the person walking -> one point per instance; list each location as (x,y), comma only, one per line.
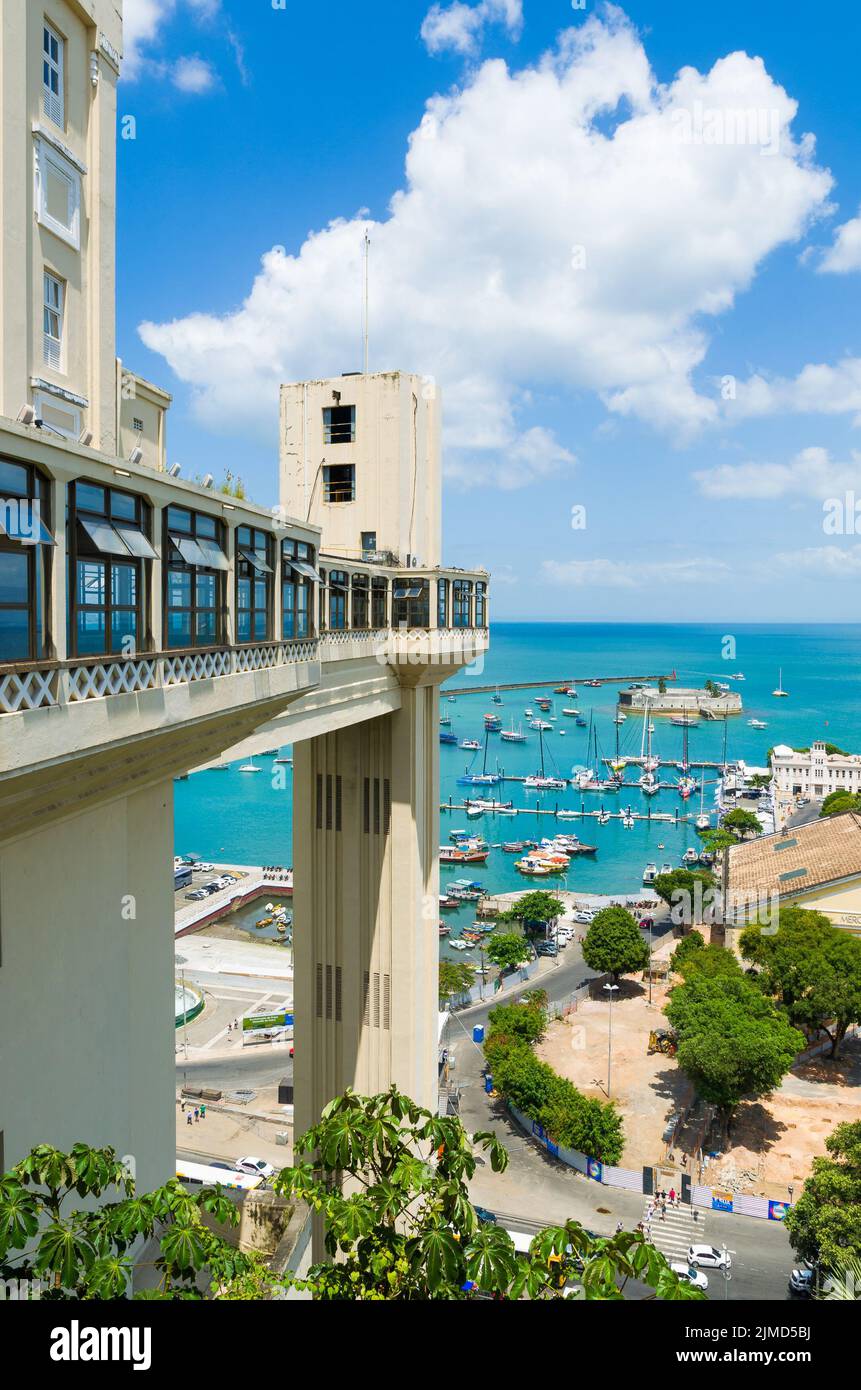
(203,1112)
(196,1114)
(188,1118)
(672,1196)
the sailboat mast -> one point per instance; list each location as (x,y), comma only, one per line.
(484,764)
(541,746)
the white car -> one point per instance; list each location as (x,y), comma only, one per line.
(709,1256)
(585,918)
(204,868)
(256,1167)
(689,1275)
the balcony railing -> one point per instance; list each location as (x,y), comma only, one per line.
(66,683)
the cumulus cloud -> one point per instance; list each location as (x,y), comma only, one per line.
(812,473)
(818,389)
(193,75)
(819,561)
(142,22)
(632,574)
(459,27)
(845,252)
(559,229)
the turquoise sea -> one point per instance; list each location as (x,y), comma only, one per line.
(234,816)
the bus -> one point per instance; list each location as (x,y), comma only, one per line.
(202,1175)
(182,876)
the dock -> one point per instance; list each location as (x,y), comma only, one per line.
(544,685)
(667,817)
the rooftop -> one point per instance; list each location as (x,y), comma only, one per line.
(825,851)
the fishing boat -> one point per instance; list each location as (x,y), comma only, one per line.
(571,713)
(250,767)
(513,847)
(533,868)
(458,944)
(650,873)
(444,929)
(513,735)
(543,701)
(780,693)
(454,854)
(448,902)
(561,690)
(757,724)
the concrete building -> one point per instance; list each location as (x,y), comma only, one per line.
(816,866)
(814,772)
(680,700)
(149,625)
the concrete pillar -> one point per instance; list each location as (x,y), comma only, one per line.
(366,886)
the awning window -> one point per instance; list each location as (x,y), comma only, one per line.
(307,571)
(253,559)
(213,556)
(337,584)
(116,540)
(408,593)
(11,526)
(190,550)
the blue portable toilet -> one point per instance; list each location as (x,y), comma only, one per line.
(478,1033)
(488,1083)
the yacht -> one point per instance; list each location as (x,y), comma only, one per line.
(545,784)
(690,856)
(250,767)
(513,735)
(650,873)
(737,676)
(471,744)
(571,713)
(780,693)
(757,723)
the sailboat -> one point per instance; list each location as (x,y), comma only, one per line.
(703,820)
(250,767)
(541,782)
(483,778)
(780,692)
(497,698)
(513,735)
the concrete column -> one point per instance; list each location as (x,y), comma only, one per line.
(366,885)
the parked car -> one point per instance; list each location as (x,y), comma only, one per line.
(256,1167)
(709,1256)
(196,894)
(546,948)
(216,1163)
(647,922)
(210,887)
(689,1275)
(204,868)
(801,1283)
(585,918)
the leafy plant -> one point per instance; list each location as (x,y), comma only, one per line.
(507,950)
(614,945)
(455,977)
(824,1226)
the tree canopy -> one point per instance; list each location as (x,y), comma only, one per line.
(539,906)
(614,944)
(812,968)
(507,950)
(838,802)
(734,1043)
(824,1226)
(455,977)
(741,823)
(687,947)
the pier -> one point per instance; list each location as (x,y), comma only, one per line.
(543,685)
(667,817)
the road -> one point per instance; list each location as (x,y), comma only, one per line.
(538,1190)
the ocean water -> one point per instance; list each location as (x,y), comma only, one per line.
(240,817)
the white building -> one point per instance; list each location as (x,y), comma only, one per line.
(815,773)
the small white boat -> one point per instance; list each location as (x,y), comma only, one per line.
(620,718)
(250,767)
(471,744)
(568,815)
(703,822)
(757,723)
(650,873)
(737,676)
(780,693)
(690,856)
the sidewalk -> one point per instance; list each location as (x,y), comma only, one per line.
(218,956)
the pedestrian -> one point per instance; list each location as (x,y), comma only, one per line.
(663,1212)
(203,1112)
(672,1196)
(618,1227)
(196,1114)
(188,1119)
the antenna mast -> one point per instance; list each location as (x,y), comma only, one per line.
(366,314)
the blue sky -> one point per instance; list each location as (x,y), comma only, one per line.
(710,265)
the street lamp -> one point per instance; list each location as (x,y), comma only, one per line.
(725,1271)
(611,990)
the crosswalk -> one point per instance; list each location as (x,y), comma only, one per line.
(676,1233)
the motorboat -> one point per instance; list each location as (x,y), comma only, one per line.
(757,723)
(471,745)
(690,856)
(545,784)
(650,873)
(571,713)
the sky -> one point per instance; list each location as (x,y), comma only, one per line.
(624,242)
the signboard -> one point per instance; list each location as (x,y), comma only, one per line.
(721,1201)
(777,1210)
(252,1022)
(594,1169)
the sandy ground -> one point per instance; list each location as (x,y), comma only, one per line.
(773,1142)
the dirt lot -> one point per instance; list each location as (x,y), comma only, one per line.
(773,1143)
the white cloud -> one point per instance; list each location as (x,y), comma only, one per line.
(819,562)
(193,75)
(632,574)
(845,254)
(812,473)
(818,389)
(460,27)
(142,22)
(473,277)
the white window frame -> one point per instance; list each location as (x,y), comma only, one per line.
(46,155)
(44,398)
(55,305)
(54,103)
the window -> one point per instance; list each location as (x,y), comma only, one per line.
(338,589)
(23,538)
(360,601)
(379,603)
(462,595)
(195,584)
(369,542)
(108,546)
(411,603)
(481,605)
(137,425)
(52,322)
(299,583)
(58,194)
(53,58)
(253,585)
(442,603)
(62,417)
(339,424)
(339,482)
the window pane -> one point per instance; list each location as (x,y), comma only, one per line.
(244,626)
(260,593)
(124,506)
(13,479)
(206,628)
(206,526)
(243,590)
(90,498)
(13,576)
(123,630)
(91,634)
(14,635)
(243,535)
(178,519)
(260,627)
(179,589)
(91,583)
(206,591)
(179,629)
(123,586)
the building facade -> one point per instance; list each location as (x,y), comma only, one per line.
(148,626)
(815,772)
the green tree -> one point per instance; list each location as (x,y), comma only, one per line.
(689,946)
(614,945)
(812,968)
(521,1020)
(734,1043)
(824,1226)
(716,841)
(507,950)
(455,977)
(86,1253)
(741,824)
(662,685)
(838,802)
(689,892)
(711,961)
(390,1181)
(534,910)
